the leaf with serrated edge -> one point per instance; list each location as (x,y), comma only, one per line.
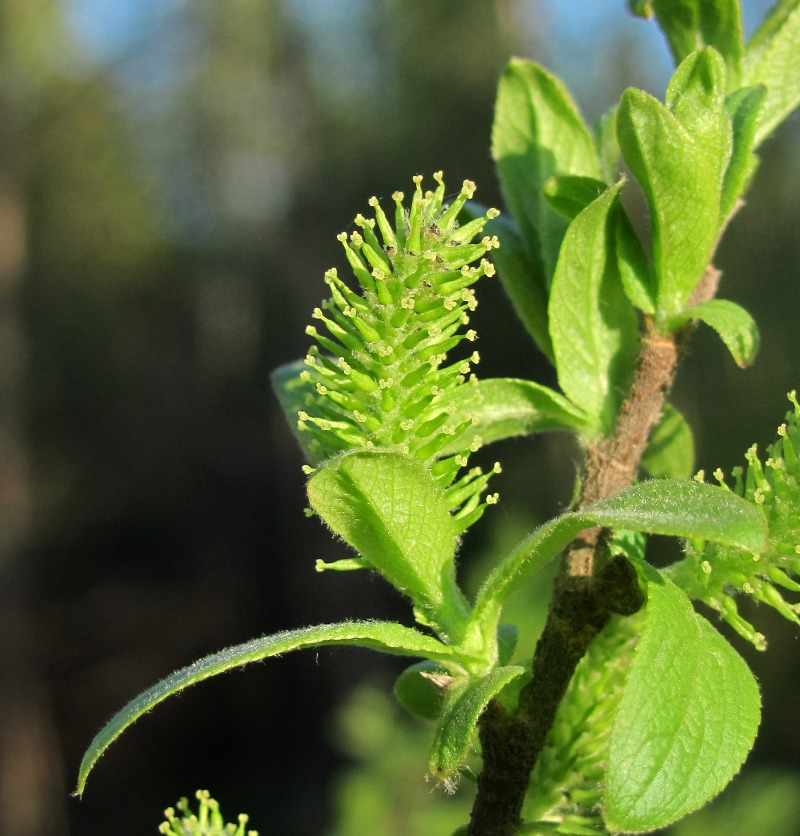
(384,636)
(677,508)
(771,59)
(733,323)
(463,705)
(686,721)
(593,326)
(670,450)
(389,508)
(506,407)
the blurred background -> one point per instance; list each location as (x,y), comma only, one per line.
(172,178)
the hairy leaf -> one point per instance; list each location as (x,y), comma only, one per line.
(670,450)
(733,323)
(687,719)
(685,509)
(388,507)
(385,636)
(592,324)
(508,407)
(771,59)
(463,704)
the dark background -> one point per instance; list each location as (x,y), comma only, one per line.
(172,179)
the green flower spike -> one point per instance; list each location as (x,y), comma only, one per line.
(714,574)
(207,821)
(379,375)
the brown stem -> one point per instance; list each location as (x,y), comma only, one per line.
(589,589)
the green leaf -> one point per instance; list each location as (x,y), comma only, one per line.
(689,24)
(538,133)
(687,719)
(385,636)
(420,689)
(670,451)
(523,280)
(593,326)
(571,194)
(463,704)
(634,269)
(389,508)
(771,59)
(743,107)
(682,192)
(684,509)
(696,97)
(293,394)
(605,135)
(732,322)
(507,407)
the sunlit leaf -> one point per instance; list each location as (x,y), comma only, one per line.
(734,325)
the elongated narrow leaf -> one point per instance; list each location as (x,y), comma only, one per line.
(389,508)
(538,133)
(681,189)
(593,326)
(670,451)
(605,135)
(733,323)
(387,637)
(293,394)
(463,705)
(506,407)
(570,194)
(685,509)
(687,719)
(689,24)
(743,106)
(771,59)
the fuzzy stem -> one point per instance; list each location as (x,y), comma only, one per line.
(589,590)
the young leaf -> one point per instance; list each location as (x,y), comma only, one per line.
(593,326)
(605,135)
(771,59)
(388,507)
(687,719)
(743,107)
(538,133)
(696,97)
(385,636)
(681,189)
(508,407)
(688,24)
(685,509)
(521,275)
(670,450)
(463,704)
(732,322)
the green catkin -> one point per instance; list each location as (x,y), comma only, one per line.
(715,574)
(208,820)
(382,381)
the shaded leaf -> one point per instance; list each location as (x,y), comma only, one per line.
(571,194)
(463,705)
(670,450)
(687,719)
(293,395)
(634,269)
(743,106)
